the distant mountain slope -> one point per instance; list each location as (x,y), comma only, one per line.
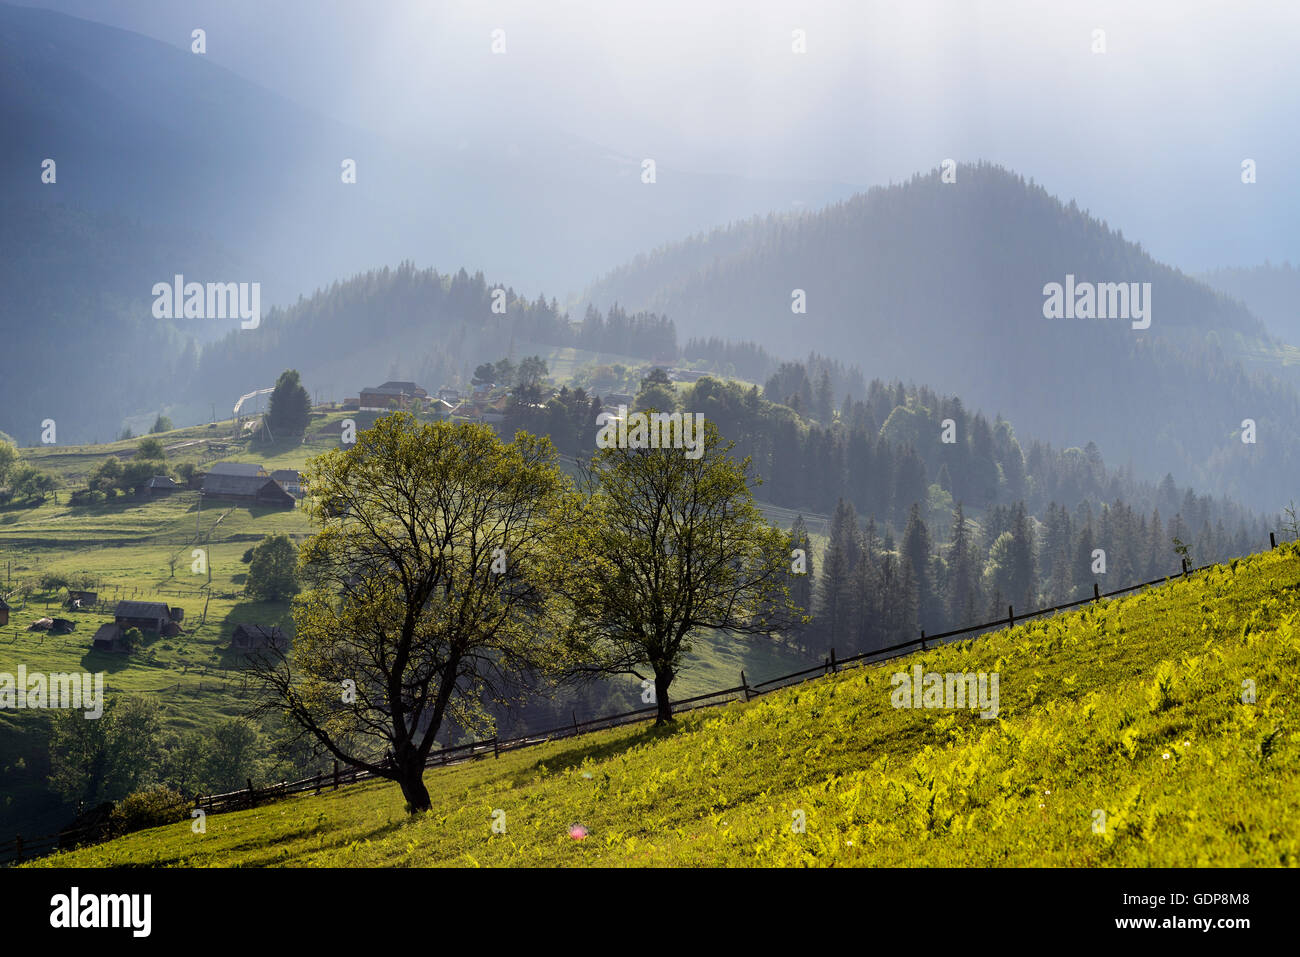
(943,283)
(170,136)
(1270,292)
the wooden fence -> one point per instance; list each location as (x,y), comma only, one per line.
(18,849)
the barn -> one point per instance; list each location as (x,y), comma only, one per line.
(257,637)
(109,638)
(81,600)
(253,489)
(146,615)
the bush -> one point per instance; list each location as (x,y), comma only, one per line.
(152,807)
(88,496)
(133,638)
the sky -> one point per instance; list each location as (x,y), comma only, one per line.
(1149,135)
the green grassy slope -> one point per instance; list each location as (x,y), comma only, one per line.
(1132,707)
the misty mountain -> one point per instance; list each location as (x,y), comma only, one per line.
(164,134)
(1268,291)
(944,283)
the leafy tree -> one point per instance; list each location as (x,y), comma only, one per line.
(273,569)
(290,408)
(150,449)
(671,546)
(161,424)
(485,374)
(31,484)
(8,459)
(108,758)
(432,591)
(106,477)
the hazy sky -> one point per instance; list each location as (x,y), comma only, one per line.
(1149,135)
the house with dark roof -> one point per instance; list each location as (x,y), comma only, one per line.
(392,395)
(146,615)
(81,600)
(256,638)
(252,489)
(290,480)
(109,638)
(236,468)
(160,485)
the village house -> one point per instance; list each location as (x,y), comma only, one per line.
(146,615)
(109,638)
(160,485)
(243,482)
(249,638)
(390,395)
(290,480)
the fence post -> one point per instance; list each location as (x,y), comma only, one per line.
(18,848)
(834,666)
(575,722)
(496,746)
(336,774)
(1272,540)
(252,795)
(1184,567)
(318,782)
(923,639)
(1096,592)
(1011,616)
(744,683)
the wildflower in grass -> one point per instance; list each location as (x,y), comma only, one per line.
(1165,756)
(577,832)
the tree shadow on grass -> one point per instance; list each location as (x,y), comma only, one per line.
(574,756)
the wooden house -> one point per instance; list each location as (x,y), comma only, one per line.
(248,638)
(4,613)
(146,615)
(109,638)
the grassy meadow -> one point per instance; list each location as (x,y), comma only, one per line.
(1153,730)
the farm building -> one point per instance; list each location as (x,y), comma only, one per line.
(256,637)
(109,638)
(245,469)
(62,626)
(80,600)
(146,615)
(254,489)
(160,485)
(290,480)
(4,613)
(399,395)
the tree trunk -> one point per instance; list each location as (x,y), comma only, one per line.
(411,779)
(662,680)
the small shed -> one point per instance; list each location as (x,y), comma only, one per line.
(160,485)
(145,615)
(4,613)
(109,638)
(81,600)
(63,626)
(257,637)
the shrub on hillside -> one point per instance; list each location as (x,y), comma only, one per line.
(151,807)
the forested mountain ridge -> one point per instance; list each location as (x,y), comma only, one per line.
(944,283)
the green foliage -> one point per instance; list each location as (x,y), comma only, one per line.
(161,424)
(1207,781)
(150,448)
(273,569)
(290,407)
(108,757)
(152,807)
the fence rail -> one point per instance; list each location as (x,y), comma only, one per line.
(18,849)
